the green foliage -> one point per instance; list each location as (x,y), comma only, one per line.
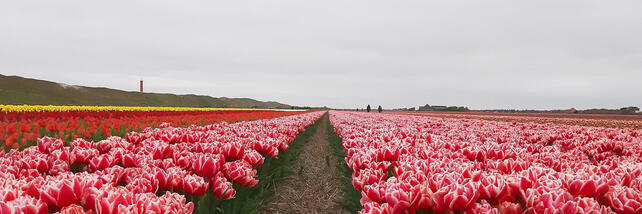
(456,108)
(301,169)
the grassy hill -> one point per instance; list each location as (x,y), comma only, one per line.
(19,90)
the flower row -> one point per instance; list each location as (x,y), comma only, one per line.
(404,164)
(143,172)
(52,108)
(598,120)
(20,129)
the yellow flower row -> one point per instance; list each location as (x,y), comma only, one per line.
(51,108)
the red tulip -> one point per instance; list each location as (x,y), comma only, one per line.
(398,200)
(24,204)
(457,197)
(253,158)
(546,200)
(266,149)
(112,202)
(58,167)
(113,174)
(424,197)
(636,184)
(587,187)
(175,177)
(63,154)
(222,188)
(375,208)
(82,155)
(160,151)
(367,177)
(104,146)
(510,208)
(625,200)
(170,137)
(134,137)
(472,154)
(162,177)
(195,185)
(233,151)
(483,207)
(167,203)
(101,162)
(373,193)
(129,160)
(207,165)
(240,172)
(390,154)
(492,187)
(8,194)
(38,163)
(58,194)
(591,206)
(472,174)
(74,209)
(184,159)
(47,144)
(142,185)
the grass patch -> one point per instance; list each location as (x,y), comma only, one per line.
(351,196)
(273,171)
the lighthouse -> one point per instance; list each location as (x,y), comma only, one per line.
(141,86)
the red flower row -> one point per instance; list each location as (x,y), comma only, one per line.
(403,163)
(20,129)
(599,120)
(119,175)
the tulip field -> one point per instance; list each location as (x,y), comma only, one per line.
(598,120)
(84,159)
(169,160)
(20,126)
(405,164)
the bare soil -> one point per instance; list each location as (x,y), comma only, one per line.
(314,186)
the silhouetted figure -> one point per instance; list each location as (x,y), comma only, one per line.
(379,109)
(357,109)
(368,108)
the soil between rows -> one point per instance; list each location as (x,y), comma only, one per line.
(314,186)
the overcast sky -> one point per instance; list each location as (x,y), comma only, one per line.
(544,54)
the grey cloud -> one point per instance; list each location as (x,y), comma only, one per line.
(482,54)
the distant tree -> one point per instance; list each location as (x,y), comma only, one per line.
(368,108)
(379,109)
(629,110)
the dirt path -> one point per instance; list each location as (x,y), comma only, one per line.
(314,185)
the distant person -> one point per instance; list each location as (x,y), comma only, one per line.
(379,109)
(368,108)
